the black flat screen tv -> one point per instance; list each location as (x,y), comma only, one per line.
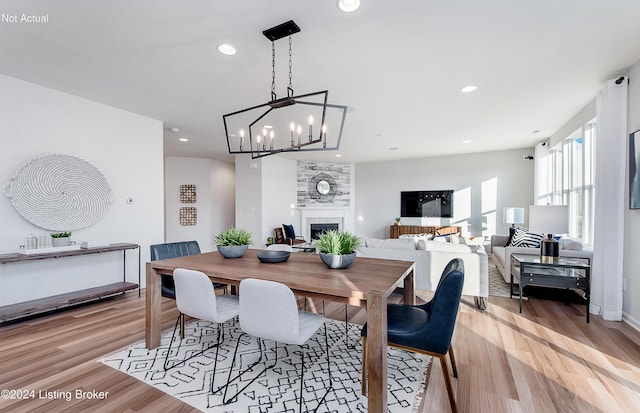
(435,204)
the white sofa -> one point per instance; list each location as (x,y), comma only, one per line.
(502,254)
(430,258)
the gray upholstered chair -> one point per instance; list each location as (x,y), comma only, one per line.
(269,311)
(196,297)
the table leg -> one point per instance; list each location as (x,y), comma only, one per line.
(377,352)
(520,291)
(410,288)
(153,310)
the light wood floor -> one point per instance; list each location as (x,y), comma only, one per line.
(547,359)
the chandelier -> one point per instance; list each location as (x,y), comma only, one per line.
(300,123)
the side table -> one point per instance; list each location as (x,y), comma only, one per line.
(569,273)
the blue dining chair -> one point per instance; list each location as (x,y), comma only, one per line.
(426,328)
(174,250)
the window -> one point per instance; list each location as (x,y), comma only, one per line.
(566,177)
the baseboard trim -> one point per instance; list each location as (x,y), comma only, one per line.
(633,322)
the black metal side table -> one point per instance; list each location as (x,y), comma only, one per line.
(569,273)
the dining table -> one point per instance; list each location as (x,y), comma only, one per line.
(367,283)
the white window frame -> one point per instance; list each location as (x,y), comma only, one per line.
(569,179)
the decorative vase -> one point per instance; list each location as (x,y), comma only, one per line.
(232,251)
(338,262)
(61,242)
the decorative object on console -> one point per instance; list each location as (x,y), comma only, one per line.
(233,242)
(337,249)
(549,219)
(276,126)
(61,239)
(398,221)
(59,192)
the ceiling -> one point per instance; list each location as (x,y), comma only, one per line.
(398,65)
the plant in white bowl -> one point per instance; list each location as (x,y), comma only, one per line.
(233,242)
(337,249)
(61,239)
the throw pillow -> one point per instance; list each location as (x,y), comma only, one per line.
(512,230)
(571,244)
(524,238)
(288,231)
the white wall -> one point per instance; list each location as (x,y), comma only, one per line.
(215,199)
(484,184)
(279,196)
(248,209)
(125,147)
(631,265)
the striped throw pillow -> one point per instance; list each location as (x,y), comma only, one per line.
(524,238)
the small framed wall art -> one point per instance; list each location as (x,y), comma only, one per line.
(188,194)
(188,216)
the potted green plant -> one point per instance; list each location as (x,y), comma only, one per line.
(337,249)
(61,239)
(233,242)
(398,221)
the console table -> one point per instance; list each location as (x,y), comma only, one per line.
(41,305)
(569,273)
(396,230)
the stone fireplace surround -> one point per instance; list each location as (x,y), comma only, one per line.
(310,216)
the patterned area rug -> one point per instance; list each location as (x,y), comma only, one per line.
(276,391)
(497,286)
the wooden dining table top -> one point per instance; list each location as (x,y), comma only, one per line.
(304,273)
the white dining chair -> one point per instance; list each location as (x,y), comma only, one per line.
(196,298)
(269,311)
(280,247)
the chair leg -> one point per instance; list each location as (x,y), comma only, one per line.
(181,316)
(179,321)
(326,342)
(230,380)
(453,362)
(447,382)
(364,366)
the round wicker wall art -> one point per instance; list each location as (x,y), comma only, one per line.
(59,192)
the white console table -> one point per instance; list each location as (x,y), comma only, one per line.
(42,305)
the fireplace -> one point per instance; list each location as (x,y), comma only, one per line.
(317,229)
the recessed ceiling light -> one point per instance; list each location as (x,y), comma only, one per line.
(338,156)
(466,141)
(174,130)
(395,148)
(348,6)
(183,140)
(227,49)
(268,126)
(468,89)
(535,132)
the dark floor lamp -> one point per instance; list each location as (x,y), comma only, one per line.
(549,219)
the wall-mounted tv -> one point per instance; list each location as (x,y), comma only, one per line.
(437,204)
